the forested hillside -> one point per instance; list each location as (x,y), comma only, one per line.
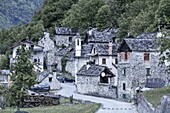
(13,12)
(130,16)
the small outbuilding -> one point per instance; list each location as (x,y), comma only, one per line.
(96,80)
(50,79)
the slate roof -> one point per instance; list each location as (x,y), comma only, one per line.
(41,76)
(65,31)
(62,51)
(86,49)
(25,40)
(94,70)
(142,44)
(101,48)
(148,35)
(102,37)
(154,83)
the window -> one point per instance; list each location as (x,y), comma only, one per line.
(77,41)
(148,72)
(103,79)
(50,79)
(146,57)
(94,51)
(35,60)
(126,56)
(116,61)
(124,96)
(94,61)
(103,61)
(54,42)
(124,86)
(124,71)
(70,39)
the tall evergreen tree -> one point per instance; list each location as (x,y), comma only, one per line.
(23,76)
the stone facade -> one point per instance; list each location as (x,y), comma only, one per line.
(52,81)
(63,40)
(47,42)
(92,86)
(136,68)
(93,79)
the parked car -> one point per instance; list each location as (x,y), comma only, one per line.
(40,87)
(63,79)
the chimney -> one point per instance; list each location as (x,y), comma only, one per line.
(110,48)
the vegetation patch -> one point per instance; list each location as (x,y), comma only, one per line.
(154,96)
(64,107)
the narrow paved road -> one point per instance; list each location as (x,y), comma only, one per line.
(108,105)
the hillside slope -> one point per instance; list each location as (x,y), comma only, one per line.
(13,12)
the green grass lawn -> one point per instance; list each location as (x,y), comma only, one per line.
(154,96)
(79,108)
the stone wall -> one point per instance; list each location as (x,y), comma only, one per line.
(145,107)
(47,43)
(54,84)
(63,40)
(70,67)
(90,85)
(135,72)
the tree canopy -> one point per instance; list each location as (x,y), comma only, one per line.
(23,77)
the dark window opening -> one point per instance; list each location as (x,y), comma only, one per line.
(116,61)
(70,39)
(35,60)
(94,61)
(146,56)
(50,79)
(32,46)
(124,71)
(104,79)
(124,96)
(77,42)
(103,61)
(94,51)
(126,56)
(148,72)
(124,86)
(54,42)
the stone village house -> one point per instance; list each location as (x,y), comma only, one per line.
(57,47)
(138,64)
(37,54)
(99,48)
(96,80)
(50,79)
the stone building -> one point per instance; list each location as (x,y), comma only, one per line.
(138,61)
(96,80)
(64,36)
(37,53)
(98,47)
(47,42)
(50,79)
(61,59)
